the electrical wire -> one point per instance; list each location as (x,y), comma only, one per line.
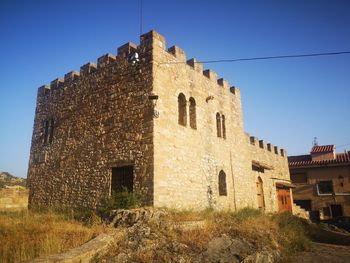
(343,145)
(266,58)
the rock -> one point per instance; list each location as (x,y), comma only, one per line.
(128,218)
(121,258)
(225,249)
(263,257)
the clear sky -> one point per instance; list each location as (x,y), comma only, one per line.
(286,102)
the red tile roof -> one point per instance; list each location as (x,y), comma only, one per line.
(322,149)
(306,160)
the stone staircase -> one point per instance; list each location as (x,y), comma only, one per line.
(300,212)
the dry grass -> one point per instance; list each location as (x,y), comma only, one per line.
(197,238)
(26,235)
(171,242)
(13,198)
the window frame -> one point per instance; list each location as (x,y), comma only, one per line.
(193,113)
(321,192)
(182,111)
(222,183)
(218,125)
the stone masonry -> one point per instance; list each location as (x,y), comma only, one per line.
(125,112)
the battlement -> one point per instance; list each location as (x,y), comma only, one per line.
(178,53)
(267,147)
(197,66)
(156,40)
(152,39)
(148,41)
(71,76)
(126,49)
(224,83)
(56,84)
(105,60)
(88,68)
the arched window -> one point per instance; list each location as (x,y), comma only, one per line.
(218,124)
(223,126)
(260,193)
(222,183)
(193,123)
(182,109)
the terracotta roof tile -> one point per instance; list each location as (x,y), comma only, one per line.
(322,149)
(306,160)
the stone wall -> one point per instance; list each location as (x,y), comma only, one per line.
(102,118)
(276,168)
(187,160)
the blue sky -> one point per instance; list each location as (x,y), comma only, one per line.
(287,102)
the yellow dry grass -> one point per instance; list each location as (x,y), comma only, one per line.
(26,235)
(14,198)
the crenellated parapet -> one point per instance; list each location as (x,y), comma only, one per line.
(105,60)
(56,84)
(197,66)
(43,90)
(87,69)
(71,76)
(224,83)
(178,53)
(155,40)
(148,41)
(265,147)
(126,49)
(210,74)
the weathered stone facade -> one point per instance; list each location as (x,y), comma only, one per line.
(125,112)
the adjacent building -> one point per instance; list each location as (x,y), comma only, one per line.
(322,180)
(149,120)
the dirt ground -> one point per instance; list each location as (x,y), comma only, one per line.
(321,252)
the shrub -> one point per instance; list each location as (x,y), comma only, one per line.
(119,200)
(247,212)
(294,232)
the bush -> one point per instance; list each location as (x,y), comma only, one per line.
(247,212)
(295,237)
(119,200)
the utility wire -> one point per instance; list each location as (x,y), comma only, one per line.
(266,58)
(141,16)
(343,145)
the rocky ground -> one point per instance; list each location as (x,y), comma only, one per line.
(154,236)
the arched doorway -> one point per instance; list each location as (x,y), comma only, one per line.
(260,193)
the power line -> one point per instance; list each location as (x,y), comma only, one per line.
(343,145)
(141,18)
(267,58)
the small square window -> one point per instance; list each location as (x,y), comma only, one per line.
(325,187)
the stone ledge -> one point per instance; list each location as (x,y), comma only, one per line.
(85,253)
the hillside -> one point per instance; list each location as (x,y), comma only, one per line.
(7,179)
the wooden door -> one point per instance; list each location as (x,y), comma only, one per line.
(284,200)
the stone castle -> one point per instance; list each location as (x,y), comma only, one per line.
(149,121)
